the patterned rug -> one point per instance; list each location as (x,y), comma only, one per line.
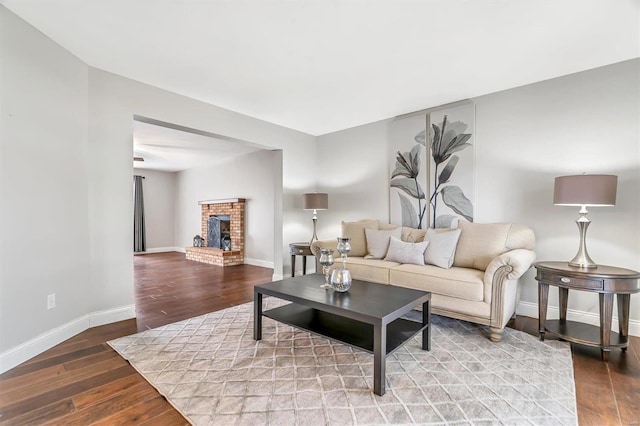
(212,371)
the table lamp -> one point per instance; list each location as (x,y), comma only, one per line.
(315,202)
(584,190)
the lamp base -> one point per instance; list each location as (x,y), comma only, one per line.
(314,237)
(582,259)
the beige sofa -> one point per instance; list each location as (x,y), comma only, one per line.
(481,285)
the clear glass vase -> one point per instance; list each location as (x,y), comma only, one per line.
(341,279)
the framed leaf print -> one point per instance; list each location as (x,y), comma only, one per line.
(451,164)
(432,177)
(408,177)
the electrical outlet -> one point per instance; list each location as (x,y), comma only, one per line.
(51,301)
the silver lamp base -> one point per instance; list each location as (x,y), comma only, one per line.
(582,259)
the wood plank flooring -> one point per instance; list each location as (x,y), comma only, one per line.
(83,381)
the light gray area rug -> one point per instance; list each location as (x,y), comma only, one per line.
(213,372)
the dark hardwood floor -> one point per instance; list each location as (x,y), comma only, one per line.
(83,381)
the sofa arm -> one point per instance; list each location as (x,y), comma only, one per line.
(328,244)
(500,289)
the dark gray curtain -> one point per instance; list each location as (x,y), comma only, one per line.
(139,239)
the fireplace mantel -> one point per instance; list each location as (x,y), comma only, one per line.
(222,201)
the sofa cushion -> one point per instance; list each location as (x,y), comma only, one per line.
(378,241)
(373,270)
(355,231)
(480,243)
(400,251)
(412,235)
(442,247)
(463,283)
(520,237)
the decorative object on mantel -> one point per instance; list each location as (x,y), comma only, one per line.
(197,241)
(315,201)
(341,277)
(584,190)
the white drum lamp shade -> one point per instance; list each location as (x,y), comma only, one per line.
(583,191)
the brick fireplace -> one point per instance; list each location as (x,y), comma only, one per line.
(228,216)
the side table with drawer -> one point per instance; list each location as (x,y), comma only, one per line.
(299,249)
(607,281)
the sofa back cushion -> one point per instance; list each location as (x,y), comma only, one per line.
(520,237)
(355,231)
(480,243)
(412,235)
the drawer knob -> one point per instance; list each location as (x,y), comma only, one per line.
(565,280)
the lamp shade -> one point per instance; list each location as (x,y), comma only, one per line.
(585,190)
(315,201)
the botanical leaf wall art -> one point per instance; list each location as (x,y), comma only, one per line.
(432,183)
(451,180)
(408,153)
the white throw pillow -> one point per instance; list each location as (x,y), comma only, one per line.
(442,247)
(378,241)
(402,252)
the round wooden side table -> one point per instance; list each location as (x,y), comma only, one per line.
(607,281)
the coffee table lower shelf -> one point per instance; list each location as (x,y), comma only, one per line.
(346,330)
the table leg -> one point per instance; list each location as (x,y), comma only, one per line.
(426,321)
(543,300)
(606,313)
(304,265)
(257,316)
(563,298)
(624,300)
(379,357)
(293,265)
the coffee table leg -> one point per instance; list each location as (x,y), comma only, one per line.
(379,357)
(426,321)
(257,316)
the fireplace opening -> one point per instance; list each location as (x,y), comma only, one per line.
(219,232)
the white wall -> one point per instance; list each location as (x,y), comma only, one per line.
(353,170)
(66,186)
(159,192)
(44,229)
(250,176)
(584,122)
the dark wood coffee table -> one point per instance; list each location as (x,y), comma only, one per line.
(365,317)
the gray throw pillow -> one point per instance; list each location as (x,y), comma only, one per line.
(402,252)
(378,241)
(442,247)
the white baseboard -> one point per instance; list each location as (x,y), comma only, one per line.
(276,277)
(112,315)
(27,350)
(162,250)
(258,262)
(529,309)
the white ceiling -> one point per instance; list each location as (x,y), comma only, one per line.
(324,65)
(173,150)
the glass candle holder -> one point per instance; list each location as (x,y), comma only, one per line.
(326,260)
(341,280)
